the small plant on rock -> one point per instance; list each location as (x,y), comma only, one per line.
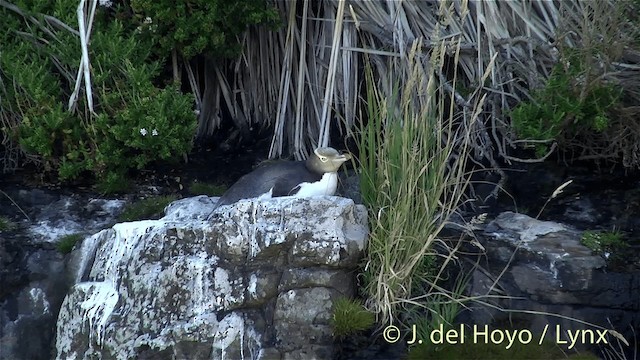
(201,188)
(349,317)
(146,208)
(603,241)
(67,242)
(6,224)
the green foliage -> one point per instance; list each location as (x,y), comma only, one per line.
(482,351)
(114,182)
(564,108)
(441,311)
(135,121)
(603,241)
(146,208)
(200,26)
(66,243)
(200,188)
(6,224)
(349,317)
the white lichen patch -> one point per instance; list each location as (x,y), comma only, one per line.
(127,236)
(99,301)
(325,252)
(229,330)
(232,328)
(253,286)
(39,299)
(47,231)
(88,251)
(223,286)
(194,208)
(60,219)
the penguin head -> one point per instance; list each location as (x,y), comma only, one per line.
(326,159)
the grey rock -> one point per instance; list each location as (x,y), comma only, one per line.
(34,275)
(257,281)
(541,266)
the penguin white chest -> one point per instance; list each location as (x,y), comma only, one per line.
(325,186)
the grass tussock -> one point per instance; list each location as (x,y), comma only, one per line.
(66,243)
(146,208)
(350,316)
(412,152)
(6,224)
(203,188)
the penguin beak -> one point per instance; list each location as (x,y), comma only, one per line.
(345,157)
(338,160)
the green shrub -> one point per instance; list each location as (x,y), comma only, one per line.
(563,108)
(135,121)
(349,317)
(200,26)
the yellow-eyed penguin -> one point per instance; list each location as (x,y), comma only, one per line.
(318,175)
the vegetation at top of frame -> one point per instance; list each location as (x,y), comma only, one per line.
(563,109)
(135,120)
(349,317)
(139,117)
(201,26)
(151,207)
(588,106)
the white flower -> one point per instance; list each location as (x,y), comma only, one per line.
(106,3)
(143,131)
(154,132)
(148,20)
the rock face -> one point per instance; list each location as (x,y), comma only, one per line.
(32,286)
(33,276)
(257,281)
(543,267)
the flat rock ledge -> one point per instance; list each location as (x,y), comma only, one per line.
(256,281)
(542,268)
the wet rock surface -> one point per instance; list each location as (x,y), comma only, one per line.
(33,273)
